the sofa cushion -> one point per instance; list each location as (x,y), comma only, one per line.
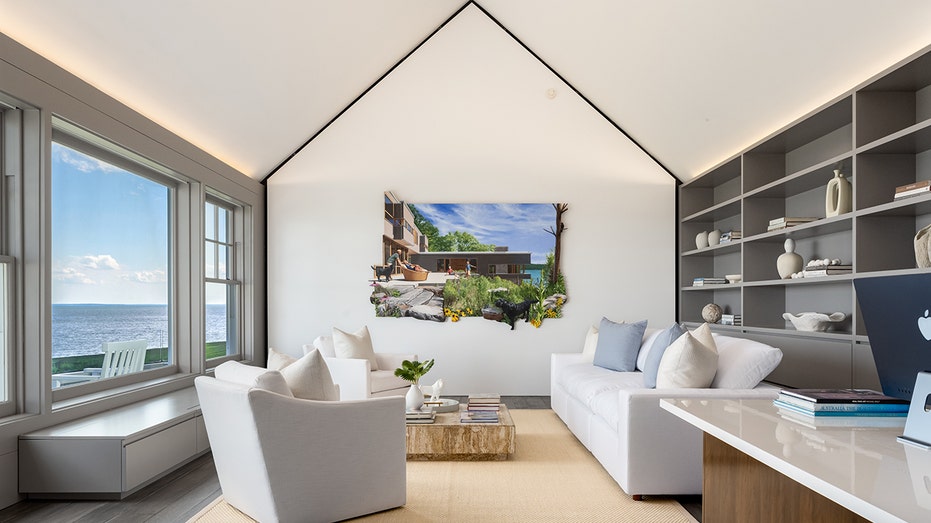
(584,381)
(236,372)
(278,360)
(591,341)
(309,378)
(357,345)
(325,345)
(649,338)
(618,345)
(689,362)
(743,363)
(662,341)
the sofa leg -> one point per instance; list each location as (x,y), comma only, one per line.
(637,497)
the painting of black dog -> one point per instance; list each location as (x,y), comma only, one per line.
(513,311)
(383,270)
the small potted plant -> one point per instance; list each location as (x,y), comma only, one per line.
(412,371)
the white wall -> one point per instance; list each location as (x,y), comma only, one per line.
(466,119)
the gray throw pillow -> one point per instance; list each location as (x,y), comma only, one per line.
(662,341)
(618,345)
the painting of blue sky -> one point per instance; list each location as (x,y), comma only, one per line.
(518,226)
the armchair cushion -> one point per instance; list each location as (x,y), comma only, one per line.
(278,360)
(325,345)
(236,372)
(356,345)
(309,378)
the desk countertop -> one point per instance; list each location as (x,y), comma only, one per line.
(862,468)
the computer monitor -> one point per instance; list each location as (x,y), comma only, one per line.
(897,314)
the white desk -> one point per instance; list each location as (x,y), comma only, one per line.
(863,470)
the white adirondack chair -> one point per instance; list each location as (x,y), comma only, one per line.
(123,357)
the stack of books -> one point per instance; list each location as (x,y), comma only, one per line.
(818,403)
(425,415)
(912,189)
(482,408)
(816,269)
(731,236)
(731,319)
(786,221)
(702,280)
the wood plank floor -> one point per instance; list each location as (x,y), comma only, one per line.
(184,492)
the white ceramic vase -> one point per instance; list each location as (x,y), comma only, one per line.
(701,240)
(788,262)
(838,199)
(414,397)
(714,237)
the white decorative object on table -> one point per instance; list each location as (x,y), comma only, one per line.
(814,321)
(435,390)
(788,262)
(414,398)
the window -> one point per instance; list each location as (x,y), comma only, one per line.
(9,131)
(110,223)
(222,287)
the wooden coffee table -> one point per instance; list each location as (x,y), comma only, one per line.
(446,439)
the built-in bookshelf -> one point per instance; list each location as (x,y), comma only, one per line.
(879,136)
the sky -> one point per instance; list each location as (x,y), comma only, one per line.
(109,233)
(519,227)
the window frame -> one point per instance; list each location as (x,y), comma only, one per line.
(86,142)
(234,272)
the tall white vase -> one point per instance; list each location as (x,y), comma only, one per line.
(839,198)
(414,397)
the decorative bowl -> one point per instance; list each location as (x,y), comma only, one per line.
(733,278)
(814,321)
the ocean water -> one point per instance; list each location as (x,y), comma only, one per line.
(80,329)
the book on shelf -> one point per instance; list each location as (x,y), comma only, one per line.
(912,189)
(838,413)
(795,220)
(841,396)
(825,271)
(817,422)
(841,407)
(700,281)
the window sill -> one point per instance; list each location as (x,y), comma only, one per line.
(129,393)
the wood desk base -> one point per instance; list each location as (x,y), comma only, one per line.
(737,488)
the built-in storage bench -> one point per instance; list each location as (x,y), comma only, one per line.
(114,453)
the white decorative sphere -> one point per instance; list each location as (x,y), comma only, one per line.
(711,313)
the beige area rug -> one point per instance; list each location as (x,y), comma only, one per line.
(551,478)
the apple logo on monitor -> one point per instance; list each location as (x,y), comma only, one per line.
(924,325)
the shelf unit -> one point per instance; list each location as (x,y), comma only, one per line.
(879,136)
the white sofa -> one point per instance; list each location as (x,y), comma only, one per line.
(647,450)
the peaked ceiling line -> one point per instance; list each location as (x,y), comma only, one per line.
(427,39)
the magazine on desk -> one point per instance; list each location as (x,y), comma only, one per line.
(826,422)
(850,396)
(839,413)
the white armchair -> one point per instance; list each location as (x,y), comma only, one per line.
(355,377)
(281,458)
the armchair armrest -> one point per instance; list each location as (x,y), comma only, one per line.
(391,361)
(352,377)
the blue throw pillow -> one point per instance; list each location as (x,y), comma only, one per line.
(619,344)
(663,340)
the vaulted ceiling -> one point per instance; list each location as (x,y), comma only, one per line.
(692,82)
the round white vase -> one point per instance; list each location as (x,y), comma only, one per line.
(788,262)
(701,240)
(414,397)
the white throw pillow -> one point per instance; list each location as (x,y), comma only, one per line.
(309,378)
(278,360)
(325,344)
(689,362)
(743,363)
(591,341)
(649,339)
(356,346)
(257,377)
